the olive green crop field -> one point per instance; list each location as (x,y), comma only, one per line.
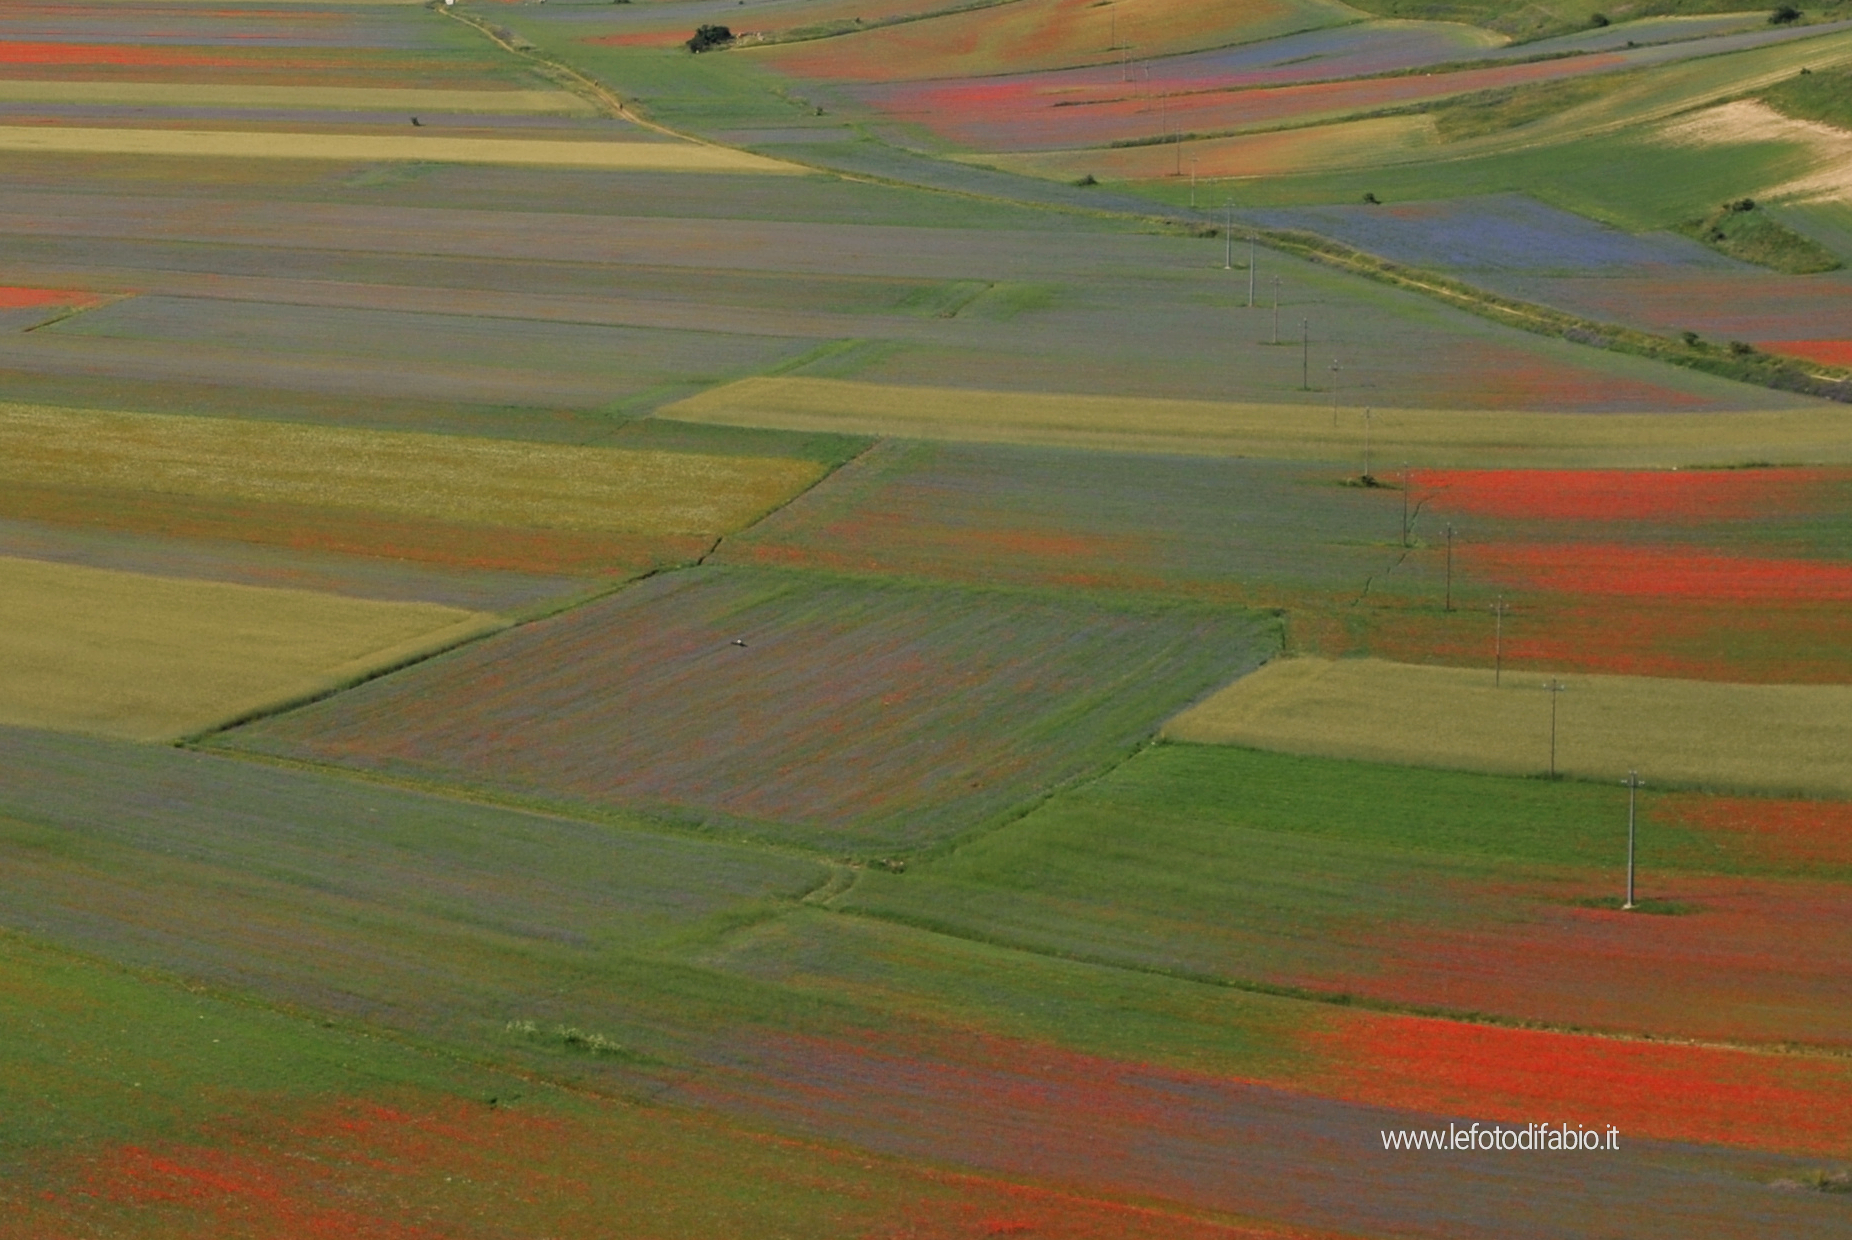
(925,620)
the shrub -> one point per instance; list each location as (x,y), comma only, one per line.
(1783,15)
(706,37)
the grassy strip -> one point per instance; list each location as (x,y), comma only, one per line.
(1741,231)
(1737,360)
(1527,23)
(1495,111)
(1823,95)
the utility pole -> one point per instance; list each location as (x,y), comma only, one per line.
(1228,235)
(1305,355)
(1633,795)
(1276,310)
(1449,606)
(1334,393)
(1193,162)
(1368,417)
(1498,638)
(1250,271)
(1555,688)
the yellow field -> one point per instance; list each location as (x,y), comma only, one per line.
(337,98)
(1792,739)
(1436,437)
(154,658)
(485,482)
(230,144)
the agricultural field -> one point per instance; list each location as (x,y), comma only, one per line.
(754,1012)
(865,715)
(1746,738)
(1371,884)
(931,621)
(149,658)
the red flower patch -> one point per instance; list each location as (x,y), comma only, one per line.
(1764,829)
(357,1170)
(26,298)
(643,38)
(1655,1090)
(1618,495)
(18,53)
(1619,570)
(1826,352)
(1748,959)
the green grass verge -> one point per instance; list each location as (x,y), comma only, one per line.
(1524,22)
(1823,95)
(1745,232)
(1495,111)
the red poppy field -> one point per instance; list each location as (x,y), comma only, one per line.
(1829,352)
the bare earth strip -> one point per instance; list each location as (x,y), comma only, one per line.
(1789,739)
(1435,437)
(335,98)
(223,144)
(153,658)
(483,482)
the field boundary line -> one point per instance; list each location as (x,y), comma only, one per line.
(97,301)
(1334,998)
(1754,366)
(348,675)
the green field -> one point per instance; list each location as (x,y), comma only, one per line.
(1373,884)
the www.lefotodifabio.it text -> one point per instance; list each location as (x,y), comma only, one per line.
(1561,1137)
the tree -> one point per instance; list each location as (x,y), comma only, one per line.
(706,37)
